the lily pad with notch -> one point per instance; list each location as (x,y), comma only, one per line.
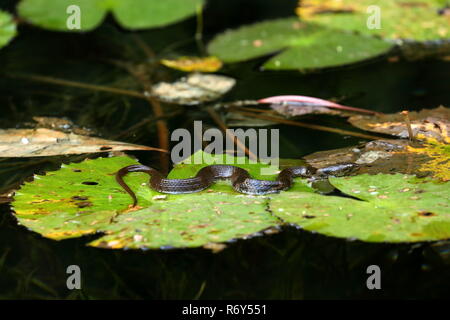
(136,14)
(84,198)
(296,45)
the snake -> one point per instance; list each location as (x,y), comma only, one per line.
(241,180)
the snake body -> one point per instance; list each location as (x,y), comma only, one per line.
(240,179)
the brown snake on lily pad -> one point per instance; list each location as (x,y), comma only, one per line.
(240,179)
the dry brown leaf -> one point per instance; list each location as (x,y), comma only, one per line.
(430,123)
(20,143)
(193,89)
(378,156)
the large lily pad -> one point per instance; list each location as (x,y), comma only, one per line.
(136,14)
(84,198)
(303,45)
(7,28)
(387,208)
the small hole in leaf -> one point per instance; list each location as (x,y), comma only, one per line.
(76,170)
(426,214)
(90,183)
(79,198)
(84,204)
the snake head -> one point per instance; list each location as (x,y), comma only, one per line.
(337,170)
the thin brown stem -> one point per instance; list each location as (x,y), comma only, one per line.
(408,125)
(76,84)
(267,111)
(143,46)
(144,122)
(213,114)
(140,74)
(309,126)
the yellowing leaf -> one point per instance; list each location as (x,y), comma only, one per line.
(439,152)
(190,64)
(308,8)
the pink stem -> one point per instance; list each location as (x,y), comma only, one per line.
(312,101)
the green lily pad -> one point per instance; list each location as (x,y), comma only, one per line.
(7,28)
(391,208)
(302,45)
(84,198)
(136,14)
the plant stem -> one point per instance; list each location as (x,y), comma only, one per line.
(224,128)
(308,125)
(76,84)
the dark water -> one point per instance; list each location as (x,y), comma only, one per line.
(290,265)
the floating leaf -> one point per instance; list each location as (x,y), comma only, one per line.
(399,19)
(439,152)
(384,156)
(84,198)
(191,64)
(137,14)
(194,89)
(309,8)
(7,28)
(303,45)
(391,208)
(45,142)
(422,26)
(433,123)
